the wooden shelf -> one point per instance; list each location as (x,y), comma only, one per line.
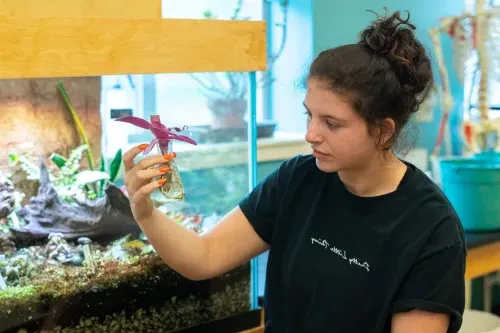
(483,260)
(259,329)
(63,47)
(63,38)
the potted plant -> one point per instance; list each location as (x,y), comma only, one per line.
(227,93)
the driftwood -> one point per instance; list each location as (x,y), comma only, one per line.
(106,217)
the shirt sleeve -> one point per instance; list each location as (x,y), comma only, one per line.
(436,283)
(261,205)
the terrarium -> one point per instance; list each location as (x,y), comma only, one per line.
(72,258)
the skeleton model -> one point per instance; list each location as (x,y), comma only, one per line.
(476,38)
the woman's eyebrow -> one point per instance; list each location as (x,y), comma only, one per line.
(325,115)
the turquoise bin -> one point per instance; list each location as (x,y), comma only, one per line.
(472,184)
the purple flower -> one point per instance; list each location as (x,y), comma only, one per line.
(160,131)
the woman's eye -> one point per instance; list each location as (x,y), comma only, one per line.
(332,125)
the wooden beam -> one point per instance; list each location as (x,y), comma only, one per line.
(259,329)
(81,8)
(34,48)
(483,260)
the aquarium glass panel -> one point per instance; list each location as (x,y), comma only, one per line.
(72,258)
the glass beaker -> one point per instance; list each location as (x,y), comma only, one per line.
(172,189)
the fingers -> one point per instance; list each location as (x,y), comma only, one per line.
(135,180)
(148,174)
(146,190)
(131,154)
(128,157)
(152,161)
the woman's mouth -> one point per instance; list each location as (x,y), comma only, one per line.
(319,155)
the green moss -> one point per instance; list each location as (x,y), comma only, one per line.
(63,281)
(17,294)
(14,298)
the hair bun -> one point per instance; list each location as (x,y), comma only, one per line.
(393,38)
(385,33)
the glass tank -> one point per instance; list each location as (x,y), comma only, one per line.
(72,258)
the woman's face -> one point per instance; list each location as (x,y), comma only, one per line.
(339,137)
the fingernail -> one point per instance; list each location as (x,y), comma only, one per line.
(164,169)
(169,157)
(143,146)
(161,181)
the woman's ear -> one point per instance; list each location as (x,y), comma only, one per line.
(387,131)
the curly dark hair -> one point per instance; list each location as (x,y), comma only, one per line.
(387,74)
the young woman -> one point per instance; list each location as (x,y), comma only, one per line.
(359,240)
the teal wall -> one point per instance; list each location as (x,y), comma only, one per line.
(339,22)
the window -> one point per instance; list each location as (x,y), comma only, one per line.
(178,96)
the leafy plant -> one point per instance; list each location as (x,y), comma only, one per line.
(70,174)
(31,169)
(86,176)
(64,172)
(68,181)
(70,169)
(78,124)
(114,170)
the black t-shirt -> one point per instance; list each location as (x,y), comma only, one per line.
(340,263)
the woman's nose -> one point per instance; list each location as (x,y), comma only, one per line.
(312,135)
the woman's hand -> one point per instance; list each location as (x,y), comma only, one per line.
(139,180)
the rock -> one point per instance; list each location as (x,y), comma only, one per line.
(84,240)
(7,245)
(77,260)
(55,237)
(62,258)
(7,198)
(57,248)
(107,217)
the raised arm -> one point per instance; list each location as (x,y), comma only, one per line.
(230,243)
